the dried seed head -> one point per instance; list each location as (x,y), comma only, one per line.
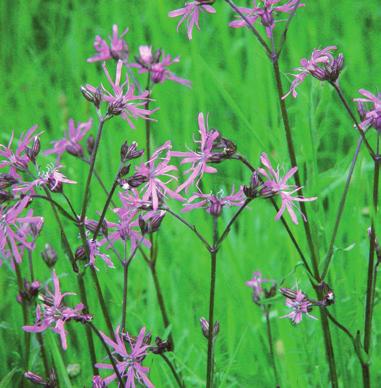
(49,255)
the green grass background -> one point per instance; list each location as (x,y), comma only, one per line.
(43,51)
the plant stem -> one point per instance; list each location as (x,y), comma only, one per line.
(162,306)
(148,122)
(80,282)
(231,222)
(271,347)
(370,282)
(24,307)
(44,357)
(213,268)
(111,358)
(251,27)
(340,211)
(357,125)
(91,169)
(190,226)
(179,382)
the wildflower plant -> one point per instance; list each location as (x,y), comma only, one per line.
(149,186)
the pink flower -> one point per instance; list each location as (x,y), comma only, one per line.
(128,363)
(371,117)
(201,157)
(278,185)
(118,48)
(70,143)
(265,13)
(17,159)
(157,65)
(53,312)
(13,229)
(299,304)
(191,13)
(158,166)
(322,65)
(123,102)
(215,203)
(94,248)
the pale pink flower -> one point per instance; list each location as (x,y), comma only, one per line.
(215,203)
(13,229)
(71,142)
(117,49)
(371,117)
(264,11)
(128,362)
(299,304)
(322,65)
(277,185)
(201,157)
(122,100)
(94,248)
(154,170)
(53,313)
(158,66)
(190,14)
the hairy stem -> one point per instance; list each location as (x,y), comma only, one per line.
(212,290)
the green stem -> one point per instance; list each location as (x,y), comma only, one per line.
(271,347)
(179,382)
(212,291)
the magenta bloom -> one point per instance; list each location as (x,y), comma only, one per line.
(278,185)
(53,312)
(191,13)
(265,13)
(201,157)
(17,159)
(94,248)
(13,229)
(129,363)
(256,285)
(123,102)
(157,64)
(300,305)
(322,65)
(214,203)
(371,117)
(70,143)
(156,168)
(118,48)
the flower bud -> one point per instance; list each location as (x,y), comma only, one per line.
(130,152)
(124,171)
(93,96)
(35,379)
(49,255)
(92,225)
(251,191)
(75,149)
(7,180)
(90,142)
(80,253)
(134,181)
(205,328)
(5,196)
(162,346)
(32,152)
(215,207)
(98,382)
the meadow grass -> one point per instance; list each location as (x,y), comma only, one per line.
(43,51)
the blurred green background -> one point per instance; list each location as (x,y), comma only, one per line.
(43,51)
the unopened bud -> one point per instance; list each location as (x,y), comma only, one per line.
(205,328)
(90,144)
(80,253)
(75,149)
(93,96)
(251,191)
(130,152)
(92,226)
(33,151)
(35,379)
(124,171)
(152,224)
(5,196)
(215,207)
(7,180)
(49,255)
(134,181)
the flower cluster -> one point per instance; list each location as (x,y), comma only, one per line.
(370,117)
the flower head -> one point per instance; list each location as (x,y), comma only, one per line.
(157,64)
(322,65)
(14,229)
(94,249)
(117,49)
(53,313)
(275,184)
(155,189)
(128,362)
(370,117)
(299,304)
(71,142)
(205,154)
(215,203)
(265,12)
(190,13)
(259,292)
(122,100)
